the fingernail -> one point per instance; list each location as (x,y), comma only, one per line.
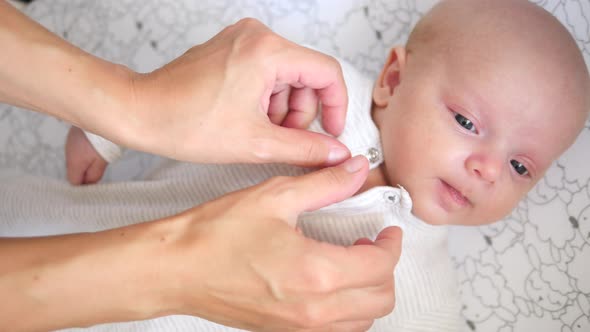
(355,164)
(337,154)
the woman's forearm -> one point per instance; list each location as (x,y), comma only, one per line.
(42,72)
(81,279)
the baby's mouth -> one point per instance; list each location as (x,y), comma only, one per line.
(456,195)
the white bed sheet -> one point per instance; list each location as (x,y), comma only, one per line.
(529,272)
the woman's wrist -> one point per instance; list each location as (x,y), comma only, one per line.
(142,279)
(153,264)
(107,101)
(174,269)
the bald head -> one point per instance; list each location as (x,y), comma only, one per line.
(512,30)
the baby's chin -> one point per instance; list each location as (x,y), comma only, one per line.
(431,217)
(437,216)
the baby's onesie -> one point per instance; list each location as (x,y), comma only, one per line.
(426,290)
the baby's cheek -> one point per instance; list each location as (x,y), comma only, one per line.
(498,209)
(430,213)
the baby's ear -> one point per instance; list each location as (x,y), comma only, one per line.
(390,76)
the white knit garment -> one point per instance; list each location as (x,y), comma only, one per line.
(426,290)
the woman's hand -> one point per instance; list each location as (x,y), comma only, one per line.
(239,261)
(242,97)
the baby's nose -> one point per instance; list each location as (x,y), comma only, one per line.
(485,167)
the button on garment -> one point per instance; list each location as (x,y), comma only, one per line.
(391,197)
(374,155)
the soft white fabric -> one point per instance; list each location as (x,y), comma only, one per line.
(108,150)
(427,298)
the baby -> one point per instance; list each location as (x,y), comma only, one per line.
(465,118)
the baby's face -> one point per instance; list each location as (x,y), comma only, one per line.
(469,137)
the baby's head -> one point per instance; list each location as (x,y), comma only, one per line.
(473,111)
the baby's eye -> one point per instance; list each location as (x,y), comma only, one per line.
(519,167)
(465,122)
